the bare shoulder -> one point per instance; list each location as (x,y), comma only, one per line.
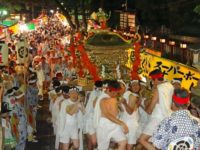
(105,98)
(108,100)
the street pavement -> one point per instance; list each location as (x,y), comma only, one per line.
(44,134)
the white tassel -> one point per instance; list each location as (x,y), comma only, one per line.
(118,72)
(103,71)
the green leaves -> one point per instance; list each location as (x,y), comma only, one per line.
(197,9)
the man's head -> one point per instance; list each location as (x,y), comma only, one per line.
(43,59)
(135,86)
(4,113)
(82,96)
(180,99)
(58,91)
(98,84)
(113,88)
(20,97)
(105,84)
(156,76)
(32,81)
(59,76)
(56,83)
(73,93)
(123,87)
(176,82)
(65,91)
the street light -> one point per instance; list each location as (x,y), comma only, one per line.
(162,41)
(154,38)
(183,46)
(172,43)
(52,11)
(146,37)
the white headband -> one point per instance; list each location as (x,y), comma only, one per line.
(19,96)
(105,85)
(134,81)
(176,81)
(134,94)
(55,87)
(74,89)
(143,83)
(31,69)
(59,72)
(80,88)
(6,73)
(32,81)
(121,81)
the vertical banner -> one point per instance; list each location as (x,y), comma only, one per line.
(22,52)
(3,54)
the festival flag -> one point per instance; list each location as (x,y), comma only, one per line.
(3,54)
(22,52)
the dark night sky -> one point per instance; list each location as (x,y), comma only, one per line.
(174,14)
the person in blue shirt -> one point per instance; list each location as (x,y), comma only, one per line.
(20,114)
(180,124)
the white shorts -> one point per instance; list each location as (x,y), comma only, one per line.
(108,131)
(132,135)
(89,126)
(151,126)
(70,132)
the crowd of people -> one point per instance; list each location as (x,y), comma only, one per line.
(112,115)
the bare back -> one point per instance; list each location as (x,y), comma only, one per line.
(109,105)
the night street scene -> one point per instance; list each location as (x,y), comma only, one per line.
(99,74)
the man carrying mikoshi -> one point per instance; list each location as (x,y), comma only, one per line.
(110,127)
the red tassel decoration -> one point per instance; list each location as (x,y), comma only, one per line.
(72,49)
(87,63)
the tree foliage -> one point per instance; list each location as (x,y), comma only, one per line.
(75,8)
(197,9)
(10,5)
(172,14)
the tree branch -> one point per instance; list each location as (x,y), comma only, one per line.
(66,13)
